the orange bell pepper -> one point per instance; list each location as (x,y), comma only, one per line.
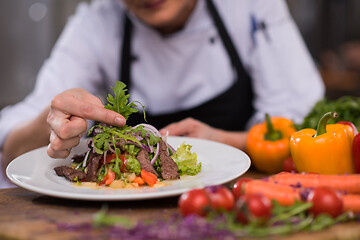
(268,143)
(326,150)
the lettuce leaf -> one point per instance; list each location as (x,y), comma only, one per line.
(186,160)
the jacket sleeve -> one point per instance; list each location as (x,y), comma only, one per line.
(75,61)
(286,81)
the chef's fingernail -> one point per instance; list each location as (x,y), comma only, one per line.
(119,121)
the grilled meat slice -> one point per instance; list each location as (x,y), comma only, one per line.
(70,173)
(169,169)
(144,160)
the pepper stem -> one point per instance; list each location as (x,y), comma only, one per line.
(272,134)
(321,128)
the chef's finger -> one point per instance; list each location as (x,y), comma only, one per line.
(86,110)
(57,154)
(59,144)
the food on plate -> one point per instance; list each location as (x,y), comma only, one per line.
(268,143)
(137,155)
(327,150)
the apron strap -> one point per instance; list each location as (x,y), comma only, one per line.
(125,69)
(233,107)
(226,40)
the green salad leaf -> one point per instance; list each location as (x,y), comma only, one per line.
(186,160)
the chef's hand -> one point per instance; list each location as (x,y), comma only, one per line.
(193,128)
(69,112)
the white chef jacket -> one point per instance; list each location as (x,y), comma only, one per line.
(184,68)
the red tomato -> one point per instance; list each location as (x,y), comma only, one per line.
(325,200)
(109,178)
(195,202)
(289,166)
(122,157)
(221,198)
(253,207)
(237,189)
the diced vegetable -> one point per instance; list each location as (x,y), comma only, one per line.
(148,177)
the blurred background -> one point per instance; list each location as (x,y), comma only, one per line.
(29,29)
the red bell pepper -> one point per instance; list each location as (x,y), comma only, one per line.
(356,152)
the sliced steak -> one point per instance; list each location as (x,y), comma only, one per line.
(169,169)
(93,166)
(70,173)
(144,160)
(78,158)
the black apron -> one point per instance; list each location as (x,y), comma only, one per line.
(229,111)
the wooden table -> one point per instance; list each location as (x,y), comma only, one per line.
(28,215)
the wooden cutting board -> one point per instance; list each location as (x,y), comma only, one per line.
(28,215)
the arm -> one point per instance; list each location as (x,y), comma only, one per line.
(30,135)
(74,62)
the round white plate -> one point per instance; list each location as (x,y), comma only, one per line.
(220,164)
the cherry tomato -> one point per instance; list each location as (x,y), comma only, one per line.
(325,200)
(289,166)
(195,202)
(221,198)
(253,207)
(237,189)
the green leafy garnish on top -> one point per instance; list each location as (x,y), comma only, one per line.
(119,102)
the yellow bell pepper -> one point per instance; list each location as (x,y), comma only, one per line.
(326,150)
(268,143)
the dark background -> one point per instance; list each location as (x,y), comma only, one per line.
(29,29)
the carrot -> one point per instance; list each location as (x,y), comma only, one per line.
(285,195)
(139,181)
(351,202)
(148,177)
(349,183)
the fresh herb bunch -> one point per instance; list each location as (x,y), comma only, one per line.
(348,108)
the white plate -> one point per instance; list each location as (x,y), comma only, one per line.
(220,164)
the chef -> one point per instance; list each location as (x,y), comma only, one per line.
(203,68)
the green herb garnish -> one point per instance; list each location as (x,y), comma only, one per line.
(119,102)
